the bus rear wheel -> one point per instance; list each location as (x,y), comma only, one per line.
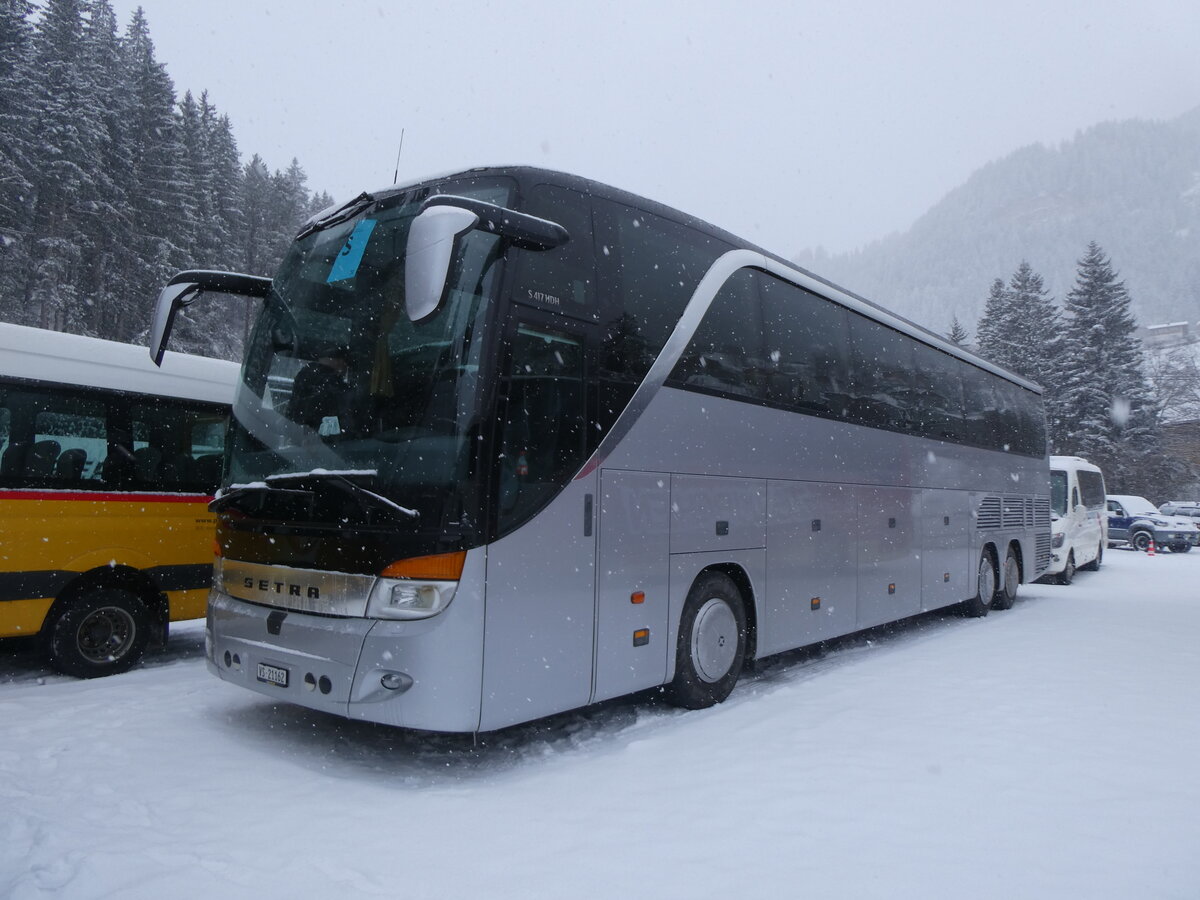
(1007,595)
(979,605)
(102,632)
(712,643)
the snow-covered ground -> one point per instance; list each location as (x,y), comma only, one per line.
(1049,751)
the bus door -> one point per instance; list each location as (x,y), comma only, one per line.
(540,588)
(632,582)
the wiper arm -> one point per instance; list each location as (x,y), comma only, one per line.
(341,214)
(226,498)
(364,496)
(369,497)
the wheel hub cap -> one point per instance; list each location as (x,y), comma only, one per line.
(106,634)
(714,640)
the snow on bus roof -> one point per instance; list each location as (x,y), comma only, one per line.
(54,356)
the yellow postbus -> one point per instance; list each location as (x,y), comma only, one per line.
(107,465)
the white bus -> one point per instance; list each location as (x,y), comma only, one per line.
(510,442)
(107,465)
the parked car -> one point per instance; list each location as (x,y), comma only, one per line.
(1181,508)
(1184,509)
(1078,526)
(1134,519)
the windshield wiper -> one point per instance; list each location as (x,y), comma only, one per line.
(225,498)
(341,214)
(366,498)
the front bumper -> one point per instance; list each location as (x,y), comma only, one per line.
(422,674)
(1167,537)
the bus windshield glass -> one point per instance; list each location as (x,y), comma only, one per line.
(338,382)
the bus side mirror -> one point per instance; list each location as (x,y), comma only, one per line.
(185,288)
(433,240)
(435,235)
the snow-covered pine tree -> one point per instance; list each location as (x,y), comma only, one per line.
(292,206)
(107,258)
(957,335)
(257,236)
(1108,413)
(1037,326)
(162,215)
(63,167)
(119,189)
(16,153)
(213,174)
(993,339)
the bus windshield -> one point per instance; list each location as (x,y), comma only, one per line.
(338,381)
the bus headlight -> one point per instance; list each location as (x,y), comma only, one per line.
(395,598)
(1057,540)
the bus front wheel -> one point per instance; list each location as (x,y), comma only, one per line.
(712,643)
(102,632)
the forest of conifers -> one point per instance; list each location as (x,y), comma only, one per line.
(110,183)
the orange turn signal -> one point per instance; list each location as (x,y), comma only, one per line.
(216,547)
(637,597)
(441,567)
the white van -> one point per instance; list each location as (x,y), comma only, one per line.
(1078,518)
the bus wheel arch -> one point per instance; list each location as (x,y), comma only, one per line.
(711,648)
(101,622)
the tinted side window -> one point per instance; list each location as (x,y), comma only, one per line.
(1015,422)
(726,352)
(176,447)
(56,439)
(1058,492)
(882,376)
(1091,486)
(1033,425)
(806,347)
(982,425)
(938,397)
(564,278)
(648,268)
(543,438)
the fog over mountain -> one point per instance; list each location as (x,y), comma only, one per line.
(1133,187)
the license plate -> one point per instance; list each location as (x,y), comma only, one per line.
(273,674)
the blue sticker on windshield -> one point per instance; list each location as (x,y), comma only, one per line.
(346,264)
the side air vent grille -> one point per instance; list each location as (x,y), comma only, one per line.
(988,516)
(1041,521)
(1014,512)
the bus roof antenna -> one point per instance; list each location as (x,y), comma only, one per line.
(396,176)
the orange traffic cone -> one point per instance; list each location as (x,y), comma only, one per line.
(1150,549)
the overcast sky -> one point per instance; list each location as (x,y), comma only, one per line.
(793,124)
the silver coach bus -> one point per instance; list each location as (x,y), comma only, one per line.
(509,442)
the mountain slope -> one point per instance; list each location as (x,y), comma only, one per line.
(1134,187)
